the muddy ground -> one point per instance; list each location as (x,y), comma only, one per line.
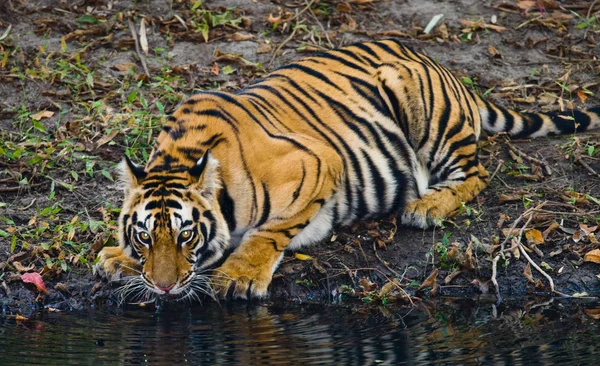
(74,96)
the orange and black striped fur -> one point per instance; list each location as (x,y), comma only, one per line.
(359,132)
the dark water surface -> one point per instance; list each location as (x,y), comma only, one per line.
(452,332)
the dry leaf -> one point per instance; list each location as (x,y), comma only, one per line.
(509,232)
(582,96)
(526,4)
(237,36)
(367,285)
(592,256)
(552,228)
(303,257)
(593,313)
(493,51)
(42,114)
(20,318)
(431,281)
(215,69)
(534,236)
(264,48)
(588,230)
(388,288)
(515,248)
(22,269)
(527,273)
(107,138)
(503,198)
(470,261)
(549,4)
(125,66)
(343,7)
(451,276)
(143,38)
(484,287)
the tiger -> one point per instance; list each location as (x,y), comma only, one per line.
(363,131)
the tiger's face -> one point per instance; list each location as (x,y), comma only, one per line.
(171,222)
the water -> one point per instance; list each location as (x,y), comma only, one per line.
(452,332)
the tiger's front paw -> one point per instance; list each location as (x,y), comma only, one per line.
(423,213)
(114,264)
(238,279)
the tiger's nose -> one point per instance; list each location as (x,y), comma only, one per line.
(165,289)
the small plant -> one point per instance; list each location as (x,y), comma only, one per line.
(203,19)
(472,82)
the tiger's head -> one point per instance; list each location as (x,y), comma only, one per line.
(172,223)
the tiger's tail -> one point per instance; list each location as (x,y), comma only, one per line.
(496,119)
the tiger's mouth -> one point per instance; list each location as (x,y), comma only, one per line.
(138,290)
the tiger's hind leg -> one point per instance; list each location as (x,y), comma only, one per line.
(445,197)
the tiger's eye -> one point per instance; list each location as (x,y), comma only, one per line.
(186,234)
(144,237)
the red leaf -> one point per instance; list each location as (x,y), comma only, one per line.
(36,279)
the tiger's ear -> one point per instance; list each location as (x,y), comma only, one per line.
(205,175)
(131,175)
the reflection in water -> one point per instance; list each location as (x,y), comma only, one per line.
(454,332)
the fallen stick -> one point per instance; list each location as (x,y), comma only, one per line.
(579,159)
(284,42)
(529,158)
(137,46)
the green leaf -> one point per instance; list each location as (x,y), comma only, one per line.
(87,19)
(38,126)
(74,175)
(467,81)
(131,96)
(107,175)
(227,70)
(591,150)
(90,80)
(563,86)
(197,4)
(160,107)
(4,234)
(13,243)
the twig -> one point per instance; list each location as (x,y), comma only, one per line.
(383,262)
(524,252)
(301,11)
(518,220)
(587,18)
(579,159)
(6,32)
(529,158)
(137,46)
(18,188)
(502,250)
(573,59)
(322,28)
(500,162)
(494,280)
(284,42)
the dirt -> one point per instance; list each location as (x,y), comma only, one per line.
(534,56)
